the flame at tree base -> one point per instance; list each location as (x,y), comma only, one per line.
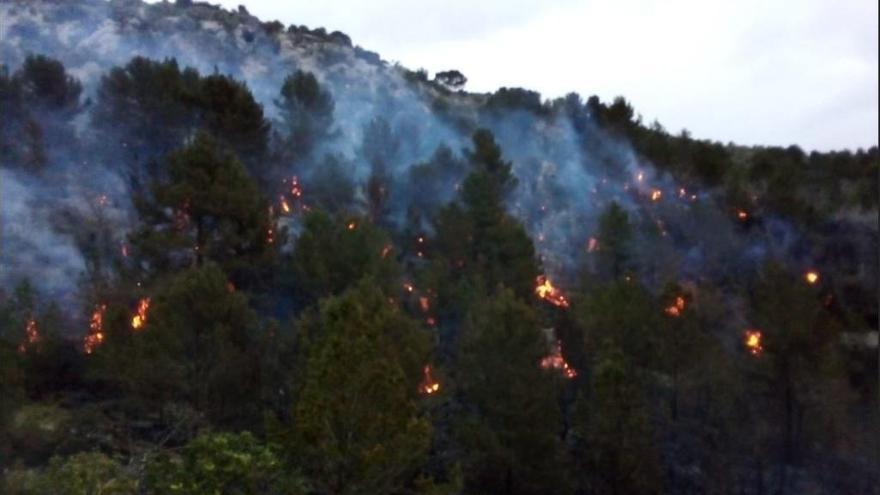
(545,290)
(676,308)
(140,318)
(753,342)
(429,385)
(96,330)
(557,362)
(31,335)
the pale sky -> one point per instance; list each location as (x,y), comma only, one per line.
(750,71)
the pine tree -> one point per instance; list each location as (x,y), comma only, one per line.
(509,428)
(208,210)
(613,432)
(356,422)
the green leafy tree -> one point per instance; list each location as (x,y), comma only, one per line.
(208,210)
(230,113)
(798,356)
(201,345)
(306,112)
(39,101)
(380,148)
(615,241)
(451,79)
(356,422)
(144,110)
(46,85)
(87,473)
(333,253)
(613,432)
(330,186)
(509,428)
(223,463)
(625,314)
(476,238)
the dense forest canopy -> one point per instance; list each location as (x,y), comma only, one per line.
(244,258)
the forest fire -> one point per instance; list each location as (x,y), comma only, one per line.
(429,385)
(812,277)
(96,329)
(31,335)
(140,318)
(557,362)
(546,291)
(676,308)
(753,342)
(295,188)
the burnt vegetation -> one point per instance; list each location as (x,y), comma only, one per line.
(270,322)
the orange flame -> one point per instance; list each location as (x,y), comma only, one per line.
(140,318)
(352,225)
(812,277)
(96,329)
(557,362)
(429,385)
(656,195)
(742,215)
(753,342)
(676,308)
(31,335)
(285,206)
(545,290)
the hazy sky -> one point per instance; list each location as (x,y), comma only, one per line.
(751,71)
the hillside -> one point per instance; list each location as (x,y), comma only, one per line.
(228,241)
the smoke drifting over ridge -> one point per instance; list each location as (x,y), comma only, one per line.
(50,220)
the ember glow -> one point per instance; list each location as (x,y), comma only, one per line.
(352,225)
(96,329)
(742,215)
(386,250)
(557,362)
(429,385)
(295,188)
(545,290)
(676,308)
(140,318)
(753,342)
(285,206)
(656,195)
(812,277)
(31,335)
